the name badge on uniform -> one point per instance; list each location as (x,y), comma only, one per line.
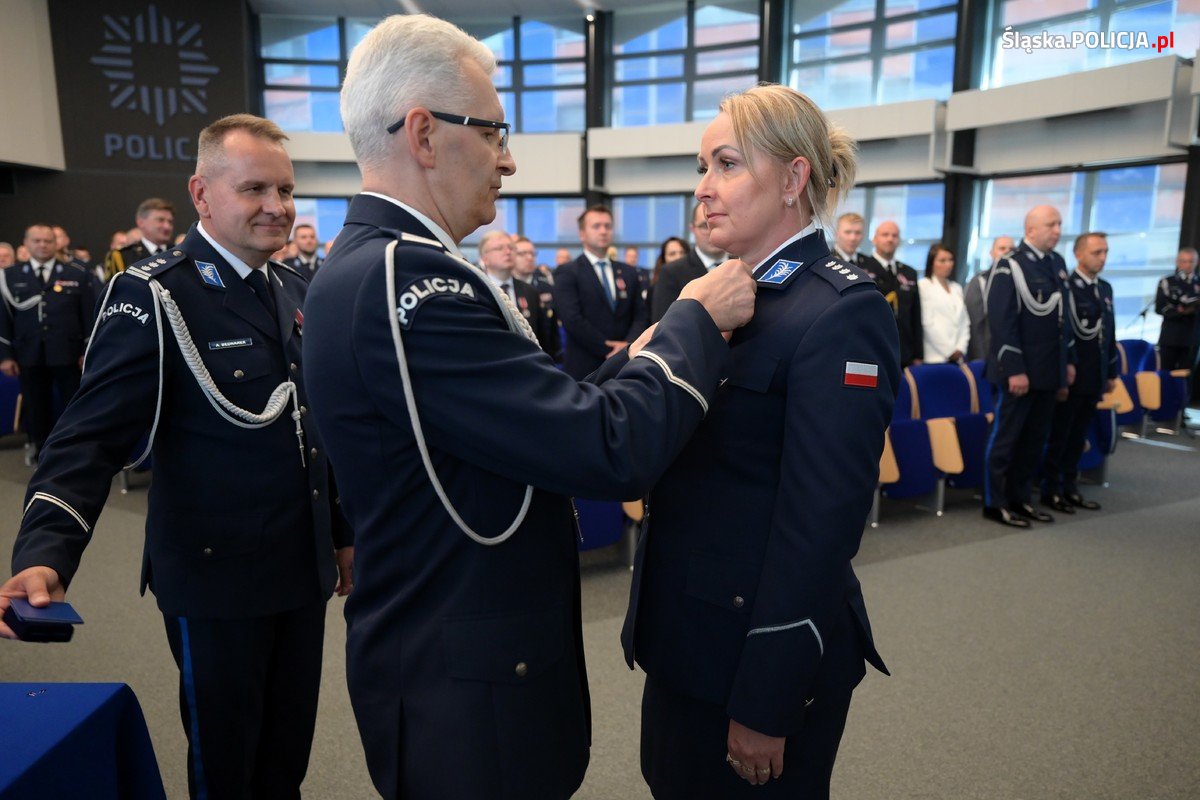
(208,274)
(778,274)
(226,344)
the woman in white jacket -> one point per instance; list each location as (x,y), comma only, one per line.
(943,313)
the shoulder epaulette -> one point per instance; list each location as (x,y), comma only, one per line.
(156,265)
(841,275)
(285,266)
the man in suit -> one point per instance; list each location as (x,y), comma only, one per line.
(526,268)
(497,255)
(457,442)
(1177,300)
(48,309)
(676,274)
(8,255)
(155,227)
(306,261)
(1097,365)
(975,298)
(241,528)
(599,302)
(1028,364)
(897,282)
(847,236)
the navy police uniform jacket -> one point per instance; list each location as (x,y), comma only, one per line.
(905,299)
(1022,341)
(539,316)
(237,527)
(465,660)
(55,331)
(1094,329)
(588,318)
(743,594)
(1175,293)
(307,269)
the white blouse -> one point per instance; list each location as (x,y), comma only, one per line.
(944,319)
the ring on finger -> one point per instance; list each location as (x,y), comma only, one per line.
(764,771)
(729,757)
(746,768)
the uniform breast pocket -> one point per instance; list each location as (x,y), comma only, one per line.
(507,648)
(238,363)
(753,371)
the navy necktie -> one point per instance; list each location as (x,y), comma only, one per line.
(258,283)
(604,278)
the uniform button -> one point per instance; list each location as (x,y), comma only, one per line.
(312,453)
(738,601)
(522,669)
(292,366)
(208,551)
(303,410)
(237,373)
(316,493)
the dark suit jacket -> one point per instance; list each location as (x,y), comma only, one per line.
(901,292)
(465,661)
(584,311)
(743,595)
(975,299)
(671,279)
(56,334)
(237,527)
(540,317)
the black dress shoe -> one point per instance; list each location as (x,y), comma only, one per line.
(1029,512)
(1004,517)
(1076,499)
(1058,503)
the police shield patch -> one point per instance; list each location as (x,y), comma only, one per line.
(778,274)
(208,274)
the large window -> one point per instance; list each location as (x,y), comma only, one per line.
(1176,19)
(303,63)
(918,209)
(1138,207)
(868,52)
(673,62)
(540,74)
(549,222)
(645,221)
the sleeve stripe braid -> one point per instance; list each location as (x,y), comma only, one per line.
(789,626)
(673,378)
(49,498)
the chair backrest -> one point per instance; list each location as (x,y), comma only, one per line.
(903,408)
(942,390)
(10,405)
(889,471)
(1137,355)
(987,401)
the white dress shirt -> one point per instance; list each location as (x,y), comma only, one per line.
(944,320)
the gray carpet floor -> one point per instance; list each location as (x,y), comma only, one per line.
(1054,663)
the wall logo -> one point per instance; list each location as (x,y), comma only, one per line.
(155,65)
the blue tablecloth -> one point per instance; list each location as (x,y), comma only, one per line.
(75,740)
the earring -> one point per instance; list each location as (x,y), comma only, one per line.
(789,202)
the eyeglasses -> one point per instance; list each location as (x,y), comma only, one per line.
(458,119)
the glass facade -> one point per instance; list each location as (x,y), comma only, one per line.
(645,221)
(1138,207)
(326,214)
(1009,63)
(868,52)
(548,222)
(673,62)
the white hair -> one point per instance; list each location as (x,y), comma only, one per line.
(407,60)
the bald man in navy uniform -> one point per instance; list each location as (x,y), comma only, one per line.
(1028,363)
(458,443)
(241,528)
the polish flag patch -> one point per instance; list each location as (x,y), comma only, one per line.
(861,374)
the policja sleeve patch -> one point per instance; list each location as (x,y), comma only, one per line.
(422,289)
